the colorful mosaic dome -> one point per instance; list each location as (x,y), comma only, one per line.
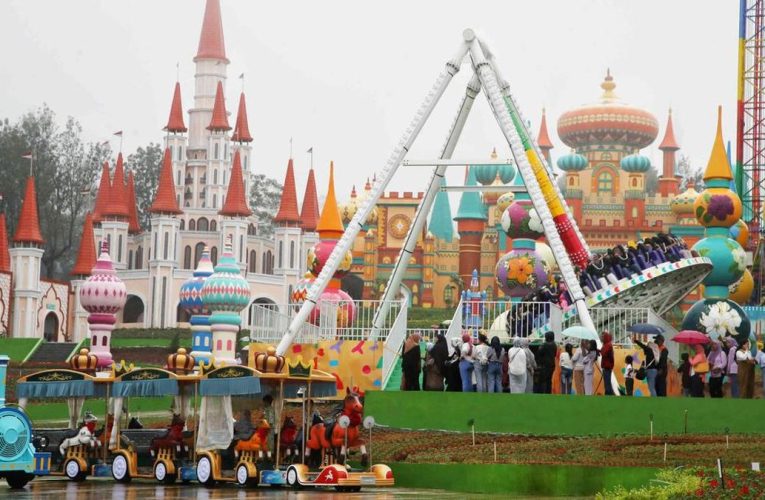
(103,292)
(572,162)
(682,204)
(635,164)
(319,253)
(191,290)
(226,290)
(301,288)
(609,121)
(504,201)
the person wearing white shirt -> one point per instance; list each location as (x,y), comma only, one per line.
(578,360)
(566,369)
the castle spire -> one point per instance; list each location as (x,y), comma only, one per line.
(236,198)
(330,225)
(175,120)
(288,207)
(669,143)
(441,225)
(86,256)
(543,138)
(211,43)
(309,214)
(165,201)
(219,119)
(103,196)
(28,228)
(471,207)
(718,166)
(134,227)
(5,256)
(116,205)
(241,127)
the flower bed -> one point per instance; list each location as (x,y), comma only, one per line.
(705,483)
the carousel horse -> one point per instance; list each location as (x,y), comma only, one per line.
(85,436)
(330,436)
(288,438)
(258,440)
(135,423)
(173,436)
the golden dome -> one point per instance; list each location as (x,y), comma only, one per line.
(682,204)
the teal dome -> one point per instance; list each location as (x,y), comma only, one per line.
(636,164)
(226,291)
(728,257)
(572,162)
(506,173)
(485,174)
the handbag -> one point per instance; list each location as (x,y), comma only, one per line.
(640,374)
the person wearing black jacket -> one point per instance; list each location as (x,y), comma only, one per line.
(661,367)
(546,363)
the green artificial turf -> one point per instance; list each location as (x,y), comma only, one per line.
(17,349)
(540,414)
(520,480)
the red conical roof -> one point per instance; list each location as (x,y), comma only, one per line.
(133,225)
(5,256)
(219,116)
(103,196)
(28,228)
(211,44)
(241,128)
(309,214)
(543,139)
(86,257)
(165,201)
(175,120)
(236,198)
(117,205)
(288,207)
(669,141)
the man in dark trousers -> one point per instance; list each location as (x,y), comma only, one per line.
(661,367)
(546,362)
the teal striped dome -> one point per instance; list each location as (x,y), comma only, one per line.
(572,162)
(226,290)
(636,164)
(506,173)
(485,174)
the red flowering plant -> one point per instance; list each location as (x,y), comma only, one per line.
(737,482)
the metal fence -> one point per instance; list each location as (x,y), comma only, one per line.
(505,319)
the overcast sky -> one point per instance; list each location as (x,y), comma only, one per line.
(346,77)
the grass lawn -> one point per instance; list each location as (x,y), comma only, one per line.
(39,411)
(17,349)
(540,414)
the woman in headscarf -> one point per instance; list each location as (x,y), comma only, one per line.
(452,369)
(495,366)
(531,365)
(699,370)
(435,365)
(732,367)
(717,362)
(411,363)
(517,367)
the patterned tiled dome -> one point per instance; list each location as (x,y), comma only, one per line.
(226,290)
(103,292)
(191,290)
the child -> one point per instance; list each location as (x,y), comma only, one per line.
(685,370)
(629,375)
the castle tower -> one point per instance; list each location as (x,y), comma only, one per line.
(241,141)
(218,154)
(309,216)
(543,139)
(134,227)
(441,225)
(165,227)
(191,300)
(636,167)
(668,182)
(115,216)
(235,211)
(471,221)
(86,260)
(210,71)
(287,232)
(26,258)
(572,164)
(177,142)
(5,257)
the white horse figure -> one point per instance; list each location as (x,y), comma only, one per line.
(84,436)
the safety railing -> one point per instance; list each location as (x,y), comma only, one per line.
(392,345)
(505,319)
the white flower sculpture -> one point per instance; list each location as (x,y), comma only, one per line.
(720,319)
(535,222)
(740,257)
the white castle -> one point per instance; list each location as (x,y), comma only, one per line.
(201,201)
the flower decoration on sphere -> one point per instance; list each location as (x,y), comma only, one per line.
(717,207)
(320,252)
(728,257)
(520,272)
(191,290)
(517,221)
(739,232)
(544,251)
(718,318)
(741,291)
(504,201)
(337,301)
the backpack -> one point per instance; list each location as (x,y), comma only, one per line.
(517,362)
(482,355)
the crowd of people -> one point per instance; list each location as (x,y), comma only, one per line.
(489,366)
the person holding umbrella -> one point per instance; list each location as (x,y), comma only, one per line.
(651,353)
(661,367)
(699,370)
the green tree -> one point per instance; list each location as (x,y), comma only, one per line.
(265,195)
(689,175)
(145,164)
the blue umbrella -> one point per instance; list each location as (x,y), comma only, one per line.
(646,329)
(580,332)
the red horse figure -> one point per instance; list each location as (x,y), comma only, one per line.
(172,438)
(332,437)
(288,440)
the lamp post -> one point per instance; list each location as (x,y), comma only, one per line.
(301,393)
